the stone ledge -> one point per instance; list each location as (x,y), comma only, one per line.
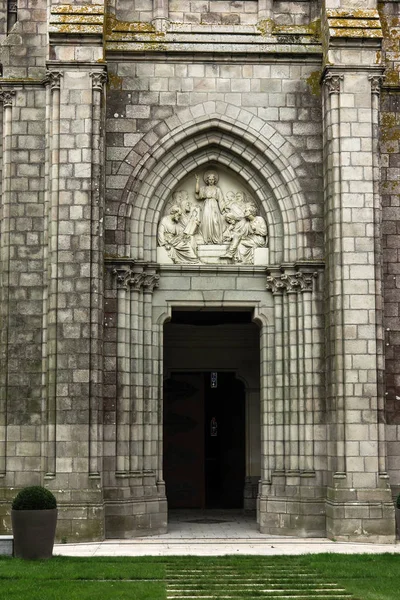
(356,23)
(67,19)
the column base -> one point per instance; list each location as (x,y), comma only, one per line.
(362,515)
(291,506)
(250,493)
(136,510)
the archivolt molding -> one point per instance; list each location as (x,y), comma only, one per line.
(225,135)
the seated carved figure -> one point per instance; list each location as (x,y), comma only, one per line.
(171,235)
(244,235)
(237,227)
(256,236)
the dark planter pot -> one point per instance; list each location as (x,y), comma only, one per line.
(398,521)
(34,532)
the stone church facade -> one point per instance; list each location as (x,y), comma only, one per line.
(199,262)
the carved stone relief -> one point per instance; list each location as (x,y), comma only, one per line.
(212,224)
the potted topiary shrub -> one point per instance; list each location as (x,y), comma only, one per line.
(34,520)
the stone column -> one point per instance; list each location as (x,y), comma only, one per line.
(292,416)
(123,409)
(99,79)
(150,383)
(135,334)
(276,287)
(52,269)
(334,247)
(376,83)
(6,97)
(307,406)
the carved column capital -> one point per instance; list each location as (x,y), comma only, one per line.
(151,281)
(123,276)
(291,282)
(54,78)
(332,82)
(136,281)
(275,284)
(99,78)
(376,83)
(6,97)
(305,280)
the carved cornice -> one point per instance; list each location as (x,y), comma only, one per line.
(54,78)
(6,97)
(99,78)
(376,83)
(332,82)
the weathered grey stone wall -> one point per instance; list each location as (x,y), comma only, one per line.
(238,84)
(390,189)
(22,54)
(220,12)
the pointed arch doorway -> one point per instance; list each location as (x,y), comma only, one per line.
(211,449)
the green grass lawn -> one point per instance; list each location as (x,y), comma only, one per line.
(366,577)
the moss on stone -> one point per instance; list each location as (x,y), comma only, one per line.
(265,27)
(313,81)
(114,81)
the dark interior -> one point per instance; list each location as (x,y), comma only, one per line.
(204,440)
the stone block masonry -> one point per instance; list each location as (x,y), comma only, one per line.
(107,114)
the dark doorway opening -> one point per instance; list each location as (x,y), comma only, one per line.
(204,440)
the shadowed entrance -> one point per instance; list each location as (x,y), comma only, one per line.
(211,452)
(204,440)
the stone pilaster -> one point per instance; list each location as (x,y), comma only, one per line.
(73,342)
(138,496)
(358,501)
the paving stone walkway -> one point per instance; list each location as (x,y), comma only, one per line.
(236,582)
(215,533)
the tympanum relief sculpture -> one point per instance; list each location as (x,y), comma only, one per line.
(210,226)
